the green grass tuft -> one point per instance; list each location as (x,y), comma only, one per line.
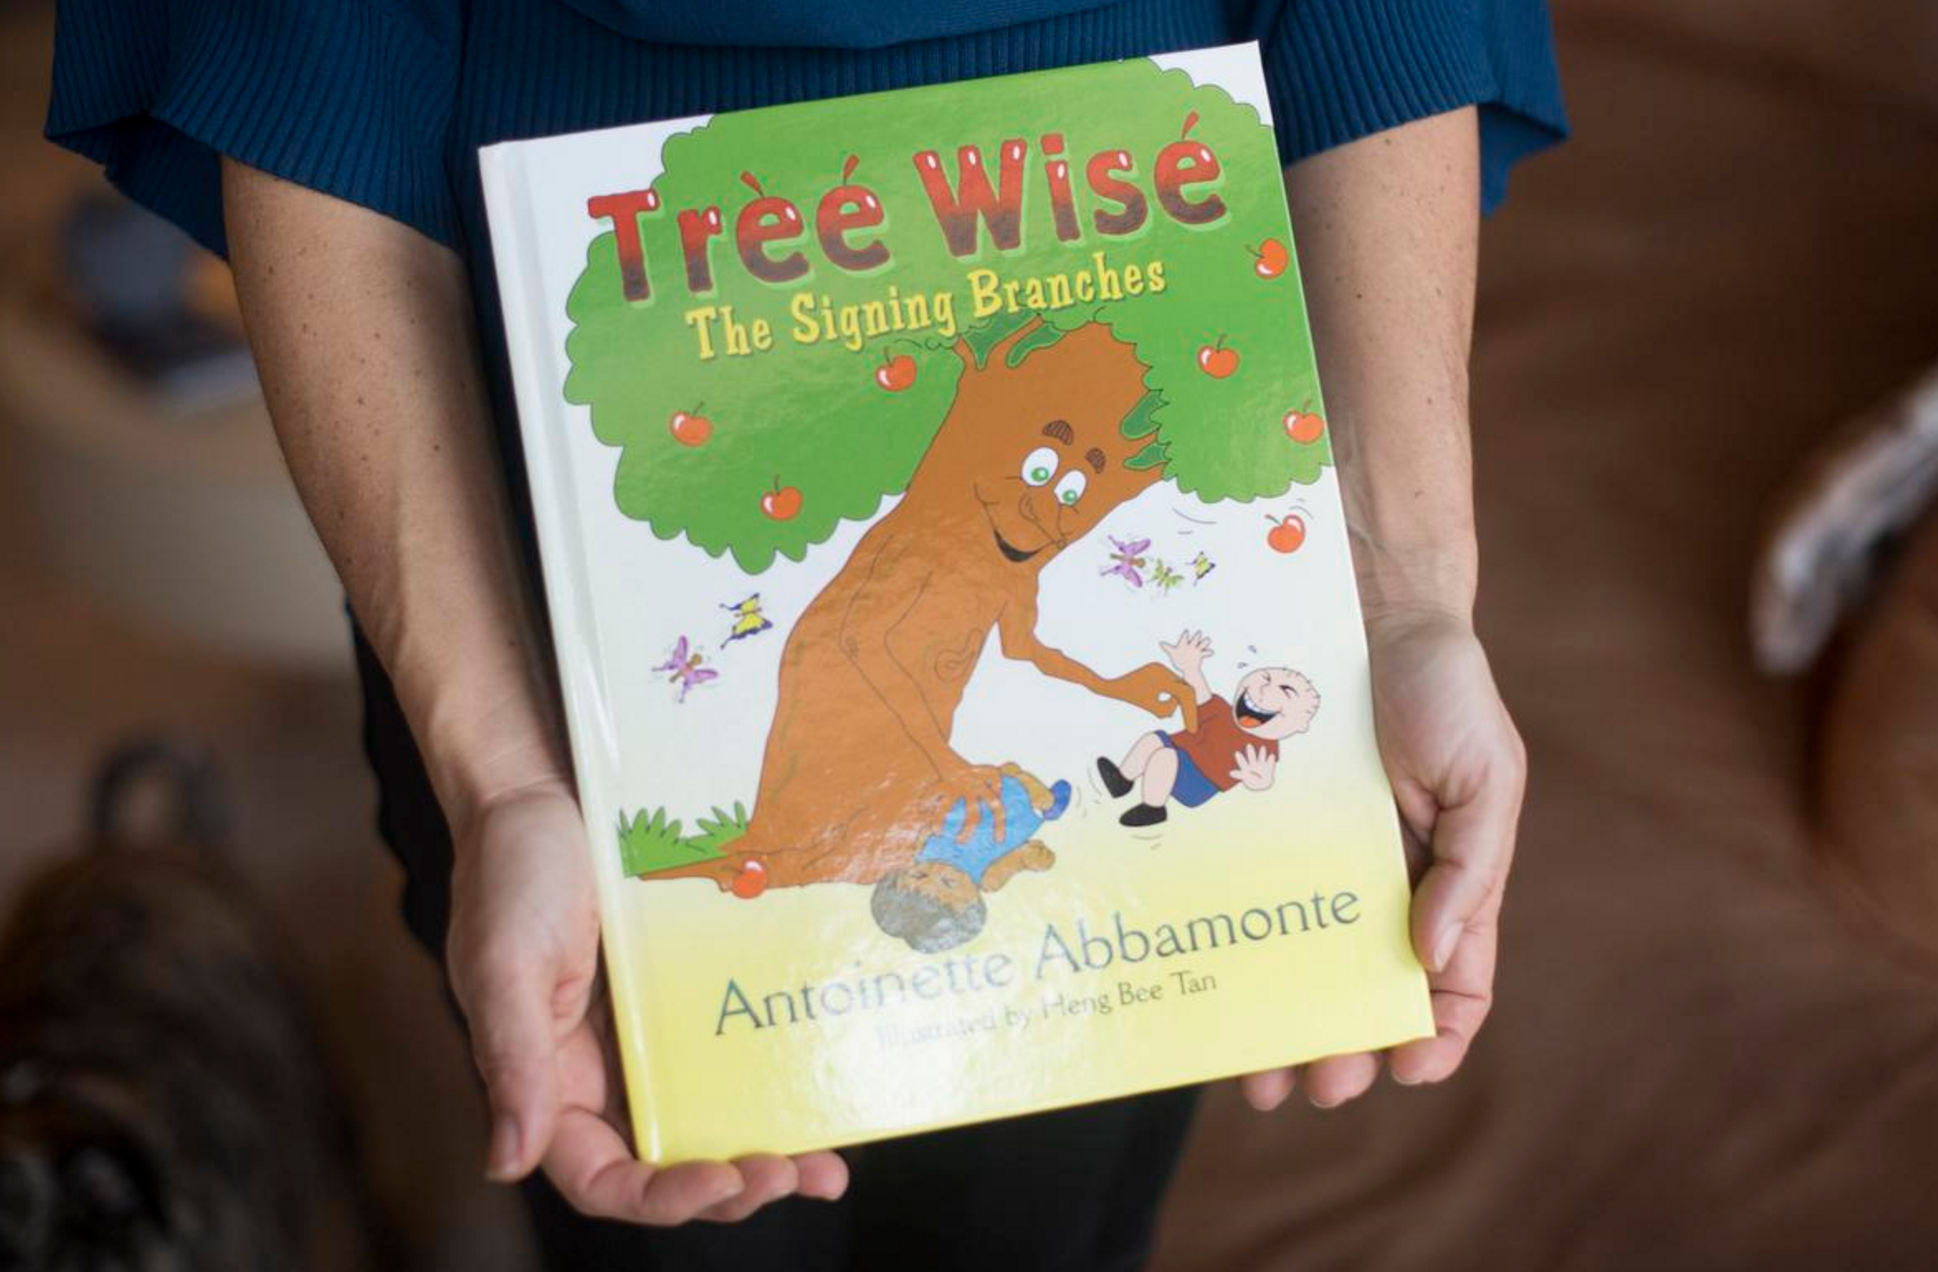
(721,829)
(651,842)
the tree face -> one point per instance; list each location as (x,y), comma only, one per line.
(1036,452)
(842,227)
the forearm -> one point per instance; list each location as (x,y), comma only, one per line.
(362,331)
(1386,230)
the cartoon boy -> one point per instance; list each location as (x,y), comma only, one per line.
(1235,743)
(935,903)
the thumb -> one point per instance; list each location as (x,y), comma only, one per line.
(1472,844)
(516,1051)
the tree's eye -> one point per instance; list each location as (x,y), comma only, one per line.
(1070,489)
(1039,466)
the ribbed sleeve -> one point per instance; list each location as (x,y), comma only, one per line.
(1343,69)
(350,97)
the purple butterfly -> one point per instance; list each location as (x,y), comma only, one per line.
(1125,561)
(685,669)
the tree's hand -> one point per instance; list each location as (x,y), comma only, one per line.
(1458,770)
(1188,652)
(978,788)
(524,960)
(1158,690)
(1256,768)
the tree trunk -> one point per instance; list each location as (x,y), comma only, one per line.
(857,770)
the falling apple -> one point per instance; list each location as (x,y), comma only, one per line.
(1216,360)
(1272,258)
(750,882)
(690,428)
(896,373)
(1304,427)
(1287,533)
(782,502)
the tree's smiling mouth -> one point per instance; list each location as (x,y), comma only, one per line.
(1250,714)
(1009,550)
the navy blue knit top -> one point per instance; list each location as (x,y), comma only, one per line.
(386,102)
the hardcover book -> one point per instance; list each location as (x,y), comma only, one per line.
(952,603)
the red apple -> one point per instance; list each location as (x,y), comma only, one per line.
(1287,533)
(1272,258)
(782,502)
(690,428)
(1217,361)
(1304,427)
(750,882)
(897,373)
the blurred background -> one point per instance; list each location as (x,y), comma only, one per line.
(1707,463)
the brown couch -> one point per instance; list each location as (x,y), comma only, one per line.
(1697,1058)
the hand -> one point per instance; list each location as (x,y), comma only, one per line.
(1188,652)
(1458,770)
(524,958)
(1158,690)
(976,788)
(1256,768)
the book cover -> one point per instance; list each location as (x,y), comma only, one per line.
(952,602)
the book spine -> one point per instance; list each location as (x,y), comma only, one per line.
(536,376)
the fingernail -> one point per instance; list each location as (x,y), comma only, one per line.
(1407,1082)
(1443,948)
(502,1164)
(1318,1103)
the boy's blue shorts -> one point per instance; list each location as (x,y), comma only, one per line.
(1192,787)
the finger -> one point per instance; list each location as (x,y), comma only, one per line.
(824,1176)
(998,816)
(596,1173)
(509,1012)
(767,1177)
(1473,843)
(1266,1091)
(971,817)
(1462,996)
(1334,1080)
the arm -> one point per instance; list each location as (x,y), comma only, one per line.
(362,331)
(1188,654)
(1154,687)
(1386,230)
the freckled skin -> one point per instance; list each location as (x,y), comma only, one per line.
(858,769)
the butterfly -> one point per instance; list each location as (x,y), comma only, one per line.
(685,668)
(1201,566)
(1126,561)
(747,620)
(1164,577)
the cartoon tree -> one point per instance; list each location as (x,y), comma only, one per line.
(1207,384)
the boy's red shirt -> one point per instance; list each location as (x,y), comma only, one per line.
(1214,746)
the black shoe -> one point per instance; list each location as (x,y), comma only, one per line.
(1114,780)
(1142,815)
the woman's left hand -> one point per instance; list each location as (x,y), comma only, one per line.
(1458,770)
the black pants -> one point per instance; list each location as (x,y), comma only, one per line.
(1071,1191)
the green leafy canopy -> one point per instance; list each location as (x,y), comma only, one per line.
(812,417)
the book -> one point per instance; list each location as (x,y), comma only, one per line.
(952,602)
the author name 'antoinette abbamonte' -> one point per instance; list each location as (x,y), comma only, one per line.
(1082,948)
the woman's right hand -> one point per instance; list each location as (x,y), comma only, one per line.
(523,955)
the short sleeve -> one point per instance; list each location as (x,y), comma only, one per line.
(1339,70)
(350,97)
